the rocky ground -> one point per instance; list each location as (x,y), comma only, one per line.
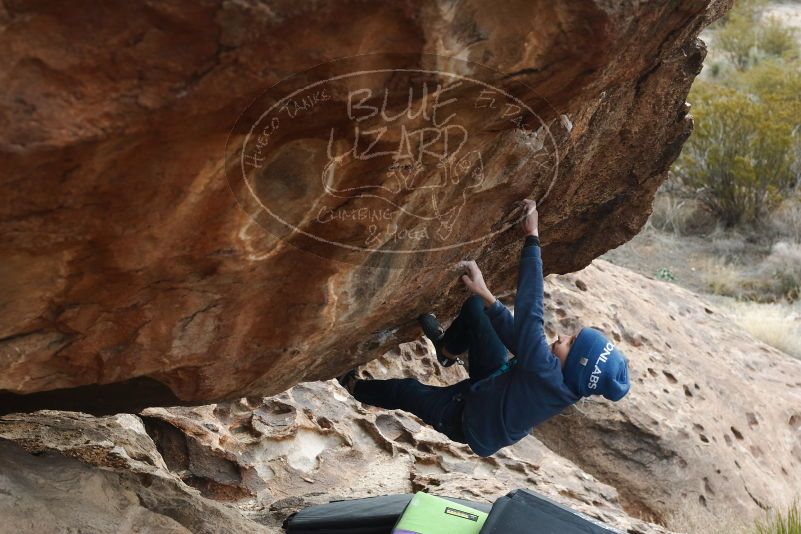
(710,431)
(711,427)
(687,260)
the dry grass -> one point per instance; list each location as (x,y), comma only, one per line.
(786,220)
(779,523)
(722,278)
(781,271)
(777,324)
(731,246)
(698,521)
(777,277)
(725,522)
(680,215)
(668,214)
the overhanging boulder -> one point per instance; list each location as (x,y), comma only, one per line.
(134,275)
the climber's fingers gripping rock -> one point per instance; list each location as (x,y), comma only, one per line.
(472,277)
(530,223)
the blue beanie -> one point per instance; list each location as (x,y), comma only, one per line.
(595,367)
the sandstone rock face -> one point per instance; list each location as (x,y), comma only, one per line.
(712,426)
(66,472)
(263,459)
(131,274)
(315,442)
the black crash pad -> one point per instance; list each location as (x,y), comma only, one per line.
(372,515)
(525,512)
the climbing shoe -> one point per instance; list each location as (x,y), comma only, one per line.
(433,331)
(348,380)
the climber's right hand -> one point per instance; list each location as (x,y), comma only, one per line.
(530,223)
(473,279)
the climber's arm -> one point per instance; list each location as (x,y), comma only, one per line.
(533,350)
(503,322)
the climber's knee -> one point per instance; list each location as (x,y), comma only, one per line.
(473,308)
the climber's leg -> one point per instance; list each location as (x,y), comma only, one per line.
(472,331)
(439,407)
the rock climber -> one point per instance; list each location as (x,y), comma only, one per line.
(503,399)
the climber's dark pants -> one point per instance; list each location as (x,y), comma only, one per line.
(441,407)
(472,332)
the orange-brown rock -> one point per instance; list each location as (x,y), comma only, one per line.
(134,274)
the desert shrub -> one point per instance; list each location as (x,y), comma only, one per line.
(745,38)
(774,39)
(681,216)
(779,523)
(730,247)
(780,272)
(745,153)
(663,273)
(737,35)
(786,219)
(667,214)
(715,69)
(742,157)
(777,277)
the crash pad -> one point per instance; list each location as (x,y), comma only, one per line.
(428,514)
(371,515)
(525,512)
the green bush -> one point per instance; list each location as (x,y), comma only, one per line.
(746,39)
(744,156)
(741,158)
(737,37)
(780,523)
(665,274)
(777,40)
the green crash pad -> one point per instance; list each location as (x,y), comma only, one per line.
(427,514)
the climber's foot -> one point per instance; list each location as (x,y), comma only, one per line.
(433,331)
(348,380)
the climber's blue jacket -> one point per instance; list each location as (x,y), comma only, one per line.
(502,409)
